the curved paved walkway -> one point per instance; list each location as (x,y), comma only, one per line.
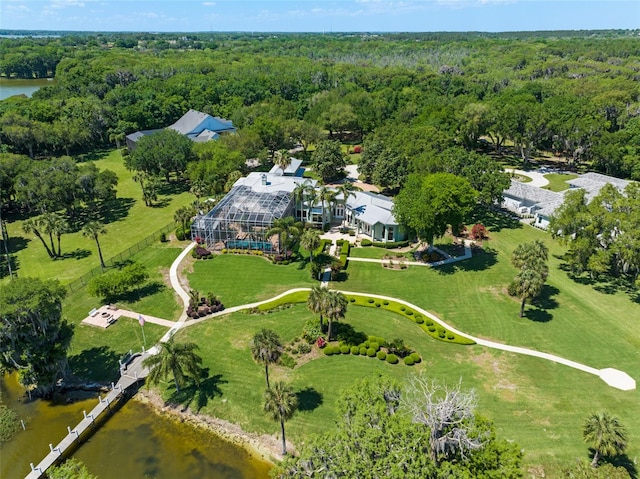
(613,377)
(537,179)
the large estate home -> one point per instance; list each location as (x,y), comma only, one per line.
(243,218)
(539,203)
(197,126)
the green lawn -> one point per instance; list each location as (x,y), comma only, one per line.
(127,222)
(534,402)
(558,181)
(95,351)
(240,279)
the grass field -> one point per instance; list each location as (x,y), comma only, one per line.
(558,181)
(94,351)
(127,222)
(240,279)
(538,404)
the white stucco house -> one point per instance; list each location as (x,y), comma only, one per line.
(540,204)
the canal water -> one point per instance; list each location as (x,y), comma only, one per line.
(134,443)
(11,86)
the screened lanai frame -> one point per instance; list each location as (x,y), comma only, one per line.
(242,219)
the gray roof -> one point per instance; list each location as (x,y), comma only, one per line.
(372,208)
(290,170)
(533,194)
(189,122)
(139,134)
(594,182)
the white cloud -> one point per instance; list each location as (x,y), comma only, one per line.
(17,8)
(57,4)
(209,4)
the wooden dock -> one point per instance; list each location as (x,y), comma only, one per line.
(133,373)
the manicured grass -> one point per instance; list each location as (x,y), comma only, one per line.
(242,279)
(571,319)
(95,351)
(558,181)
(374,252)
(127,222)
(536,403)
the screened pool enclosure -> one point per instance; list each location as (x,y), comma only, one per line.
(243,217)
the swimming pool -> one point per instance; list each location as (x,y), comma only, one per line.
(245,244)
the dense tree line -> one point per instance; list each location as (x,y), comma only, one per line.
(416,94)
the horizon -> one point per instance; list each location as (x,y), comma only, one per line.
(315,16)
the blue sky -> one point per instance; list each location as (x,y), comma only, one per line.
(318,16)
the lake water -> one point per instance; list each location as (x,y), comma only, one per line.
(133,443)
(11,87)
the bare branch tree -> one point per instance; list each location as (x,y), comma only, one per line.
(448,412)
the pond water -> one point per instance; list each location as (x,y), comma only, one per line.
(133,443)
(11,86)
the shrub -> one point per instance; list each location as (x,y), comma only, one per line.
(328,351)
(352,300)
(287,361)
(408,361)
(429,322)
(385,302)
(402,308)
(409,313)
(381,355)
(377,305)
(479,232)
(182,234)
(304,348)
(367,344)
(391,244)
(366,242)
(371,352)
(321,343)
(419,320)
(450,336)
(344,349)
(374,346)
(392,359)
(416,358)
(370,301)
(363,351)
(441,335)
(355,350)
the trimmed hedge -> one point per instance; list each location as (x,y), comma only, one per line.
(355,350)
(371,352)
(345,349)
(392,244)
(381,355)
(297,297)
(345,248)
(416,358)
(366,242)
(392,359)
(409,361)
(427,325)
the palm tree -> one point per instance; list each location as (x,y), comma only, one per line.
(282,159)
(58,226)
(266,348)
(93,229)
(527,284)
(281,403)
(302,194)
(336,308)
(179,360)
(286,229)
(532,255)
(34,225)
(310,240)
(318,301)
(327,197)
(182,216)
(606,436)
